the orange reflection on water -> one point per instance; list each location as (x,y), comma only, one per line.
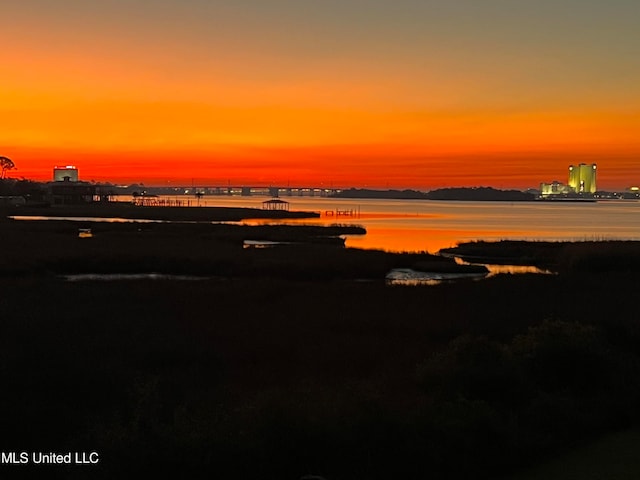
(428,239)
(400,240)
(417,225)
(387,215)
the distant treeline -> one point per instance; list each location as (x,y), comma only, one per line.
(462,193)
(23,188)
(32,190)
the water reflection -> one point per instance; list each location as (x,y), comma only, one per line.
(409,277)
(427,225)
(262,243)
(514,269)
(495,269)
(88,219)
(110,277)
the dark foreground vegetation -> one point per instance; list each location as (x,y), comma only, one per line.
(53,247)
(278,375)
(130,211)
(562,257)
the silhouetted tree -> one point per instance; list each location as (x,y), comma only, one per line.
(5,164)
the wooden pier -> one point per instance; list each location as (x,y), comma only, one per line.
(353,212)
(154,201)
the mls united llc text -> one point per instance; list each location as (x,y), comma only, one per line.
(51,458)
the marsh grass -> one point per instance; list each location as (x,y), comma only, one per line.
(565,257)
(285,366)
(198,249)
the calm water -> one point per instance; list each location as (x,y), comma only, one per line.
(418,225)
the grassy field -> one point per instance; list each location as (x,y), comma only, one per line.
(214,250)
(612,457)
(283,362)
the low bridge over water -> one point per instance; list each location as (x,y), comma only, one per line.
(247,191)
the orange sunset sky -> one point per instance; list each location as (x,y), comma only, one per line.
(376,93)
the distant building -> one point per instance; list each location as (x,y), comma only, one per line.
(67,189)
(72,193)
(582,178)
(67,173)
(554,188)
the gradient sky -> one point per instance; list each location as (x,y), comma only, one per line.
(377,93)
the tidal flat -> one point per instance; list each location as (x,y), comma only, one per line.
(286,363)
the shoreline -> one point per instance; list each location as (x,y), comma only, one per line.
(165,213)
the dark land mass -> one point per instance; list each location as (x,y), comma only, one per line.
(571,198)
(130,211)
(389,194)
(563,257)
(282,363)
(51,247)
(469,194)
(480,194)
